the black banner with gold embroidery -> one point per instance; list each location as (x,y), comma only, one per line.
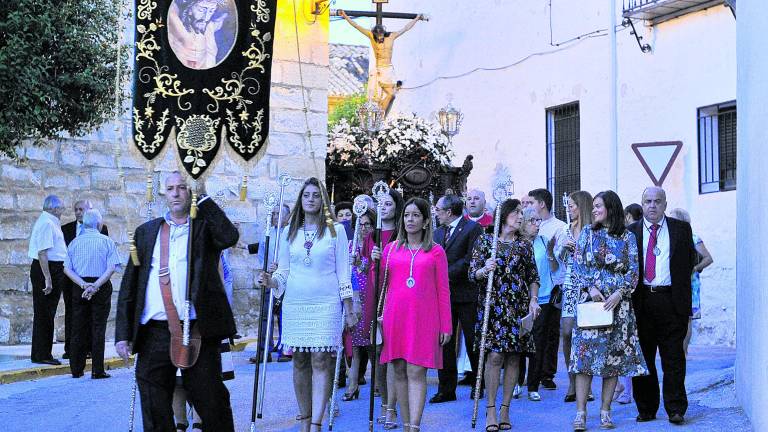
(203,68)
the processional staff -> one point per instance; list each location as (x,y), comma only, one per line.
(502,191)
(284,180)
(270,201)
(380,192)
(359,207)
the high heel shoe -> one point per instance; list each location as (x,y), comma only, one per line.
(580,422)
(491,427)
(382,418)
(605,420)
(505,425)
(389,425)
(348,397)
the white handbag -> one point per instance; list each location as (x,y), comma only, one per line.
(592,315)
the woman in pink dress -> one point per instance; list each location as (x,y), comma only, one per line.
(417,309)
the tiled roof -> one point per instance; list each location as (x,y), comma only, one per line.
(349,69)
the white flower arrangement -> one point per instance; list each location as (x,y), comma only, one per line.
(399,137)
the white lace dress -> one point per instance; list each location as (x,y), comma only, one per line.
(313,293)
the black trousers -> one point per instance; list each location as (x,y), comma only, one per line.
(44,307)
(89,325)
(156,379)
(659,327)
(464,314)
(546,338)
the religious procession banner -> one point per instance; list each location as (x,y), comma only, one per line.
(202,69)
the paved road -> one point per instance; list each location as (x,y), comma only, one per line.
(65,404)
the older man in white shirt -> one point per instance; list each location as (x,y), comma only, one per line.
(47,251)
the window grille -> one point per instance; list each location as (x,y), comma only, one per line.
(563,153)
(717,148)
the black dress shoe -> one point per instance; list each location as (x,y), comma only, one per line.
(77,375)
(468,380)
(442,397)
(65,356)
(677,419)
(548,384)
(101,375)
(50,361)
(641,418)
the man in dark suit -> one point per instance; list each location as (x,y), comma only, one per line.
(457,235)
(72,230)
(662,303)
(142,325)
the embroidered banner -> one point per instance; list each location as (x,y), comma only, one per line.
(203,68)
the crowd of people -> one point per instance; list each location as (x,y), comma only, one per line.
(400,302)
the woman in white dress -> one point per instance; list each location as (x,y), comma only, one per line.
(313,276)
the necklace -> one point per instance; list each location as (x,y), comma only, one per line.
(309,241)
(411,282)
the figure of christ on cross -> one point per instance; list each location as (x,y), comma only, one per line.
(384,84)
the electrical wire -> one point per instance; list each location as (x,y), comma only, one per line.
(565,45)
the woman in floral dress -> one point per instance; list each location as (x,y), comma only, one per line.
(514,295)
(606,268)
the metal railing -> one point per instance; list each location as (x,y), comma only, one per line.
(630,5)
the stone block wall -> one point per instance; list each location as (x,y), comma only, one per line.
(86,168)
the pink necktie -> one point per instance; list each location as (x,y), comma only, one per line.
(650,257)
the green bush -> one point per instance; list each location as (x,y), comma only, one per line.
(347,109)
(57,68)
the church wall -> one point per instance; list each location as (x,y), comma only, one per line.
(75,168)
(693,65)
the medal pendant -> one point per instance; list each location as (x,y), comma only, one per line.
(411,282)
(308,245)
(656,251)
(307,261)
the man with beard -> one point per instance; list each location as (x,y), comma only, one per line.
(192,25)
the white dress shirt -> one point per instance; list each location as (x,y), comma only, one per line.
(663,277)
(450,229)
(177,264)
(47,235)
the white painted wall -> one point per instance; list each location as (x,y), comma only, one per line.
(693,65)
(752,276)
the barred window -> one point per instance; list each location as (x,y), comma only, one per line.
(717,147)
(563,153)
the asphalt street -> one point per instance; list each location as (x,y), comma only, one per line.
(65,404)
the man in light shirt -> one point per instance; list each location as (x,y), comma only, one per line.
(142,323)
(47,251)
(72,230)
(91,259)
(552,229)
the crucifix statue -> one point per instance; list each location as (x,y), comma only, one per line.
(383,84)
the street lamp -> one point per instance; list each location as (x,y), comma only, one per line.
(450,120)
(370,116)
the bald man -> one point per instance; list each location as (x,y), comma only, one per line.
(662,303)
(70,231)
(476,208)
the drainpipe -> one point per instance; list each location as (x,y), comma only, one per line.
(613,102)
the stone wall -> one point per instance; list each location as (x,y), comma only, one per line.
(87,168)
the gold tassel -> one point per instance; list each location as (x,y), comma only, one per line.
(133,250)
(244,188)
(150,187)
(193,208)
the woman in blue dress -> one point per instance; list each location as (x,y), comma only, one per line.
(606,268)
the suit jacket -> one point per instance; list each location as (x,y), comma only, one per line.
(70,231)
(458,249)
(212,232)
(682,258)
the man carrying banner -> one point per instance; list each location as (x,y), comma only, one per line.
(152,294)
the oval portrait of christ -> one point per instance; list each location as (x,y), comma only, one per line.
(202,33)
